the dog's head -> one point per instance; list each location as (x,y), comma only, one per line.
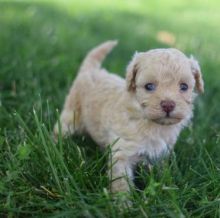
(163,83)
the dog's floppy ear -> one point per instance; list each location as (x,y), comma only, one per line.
(132,70)
(197,74)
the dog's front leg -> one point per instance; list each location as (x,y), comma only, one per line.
(120,173)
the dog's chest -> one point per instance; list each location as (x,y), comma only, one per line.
(152,150)
(153,147)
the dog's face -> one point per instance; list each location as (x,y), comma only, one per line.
(163,81)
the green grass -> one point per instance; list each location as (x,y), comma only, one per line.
(41,47)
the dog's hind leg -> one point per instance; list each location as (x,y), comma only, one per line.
(70,119)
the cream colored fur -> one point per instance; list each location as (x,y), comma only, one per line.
(111,109)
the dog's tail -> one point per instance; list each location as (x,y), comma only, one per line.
(95,57)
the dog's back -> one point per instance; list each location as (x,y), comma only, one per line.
(91,81)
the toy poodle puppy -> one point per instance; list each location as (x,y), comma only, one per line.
(141,116)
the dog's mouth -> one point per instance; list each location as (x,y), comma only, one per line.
(167,120)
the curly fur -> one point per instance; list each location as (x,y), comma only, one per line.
(108,107)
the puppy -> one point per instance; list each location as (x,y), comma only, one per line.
(142,116)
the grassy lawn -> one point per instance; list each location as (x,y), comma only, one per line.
(42,44)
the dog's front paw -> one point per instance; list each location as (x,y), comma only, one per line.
(122,200)
(120,186)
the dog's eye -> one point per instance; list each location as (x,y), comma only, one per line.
(183,87)
(150,87)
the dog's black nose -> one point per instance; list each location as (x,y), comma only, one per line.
(167,106)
